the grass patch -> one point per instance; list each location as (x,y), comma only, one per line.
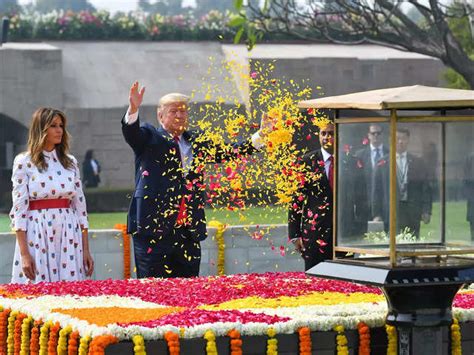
(457,228)
(253,215)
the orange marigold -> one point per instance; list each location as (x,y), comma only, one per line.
(34,339)
(305,340)
(17,333)
(235,342)
(73,343)
(173,342)
(53,339)
(99,343)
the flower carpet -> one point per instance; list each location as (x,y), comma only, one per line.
(85,317)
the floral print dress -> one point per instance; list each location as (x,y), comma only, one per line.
(53,235)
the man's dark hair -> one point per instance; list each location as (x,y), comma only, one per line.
(89,154)
(404,131)
(376,125)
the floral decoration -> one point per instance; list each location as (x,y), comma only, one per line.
(86,317)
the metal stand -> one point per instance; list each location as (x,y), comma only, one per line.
(419,298)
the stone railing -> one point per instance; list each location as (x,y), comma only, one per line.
(247,249)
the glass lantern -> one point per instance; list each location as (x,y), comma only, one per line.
(404,175)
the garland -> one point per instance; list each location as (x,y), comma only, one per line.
(235,342)
(34,338)
(392,339)
(364,338)
(221,227)
(99,343)
(62,348)
(43,340)
(11,332)
(341,341)
(72,343)
(211,347)
(84,345)
(17,333)
(53,339)
(173,342)
(305,340)
(272,342)
(4,315)
(126,249)
(138,345)
(25,335)
(455,338)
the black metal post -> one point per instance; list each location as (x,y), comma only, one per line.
(419,297)
(5,26)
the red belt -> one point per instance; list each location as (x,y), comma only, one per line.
(50,203)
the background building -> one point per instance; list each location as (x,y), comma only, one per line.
(90,82)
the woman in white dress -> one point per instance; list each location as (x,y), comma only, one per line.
(49,209)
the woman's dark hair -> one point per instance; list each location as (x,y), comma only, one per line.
(89,154)
(41,120)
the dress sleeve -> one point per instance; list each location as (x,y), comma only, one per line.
(20,194)
(78,202)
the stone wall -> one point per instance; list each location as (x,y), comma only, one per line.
(90,81)
(242,253)
(30,76)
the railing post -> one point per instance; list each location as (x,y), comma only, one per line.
(5,25)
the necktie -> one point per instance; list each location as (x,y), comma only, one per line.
(176,140)
(182,213)
(377,156)
(331,171)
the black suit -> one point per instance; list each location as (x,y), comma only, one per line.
(419,195)
(310,216)
(364,162)
(162,247)
(89,177)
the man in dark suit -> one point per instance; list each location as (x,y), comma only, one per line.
(166,215)
(469,191)
(310,216)
(368,158)
(90,170)
(414,195)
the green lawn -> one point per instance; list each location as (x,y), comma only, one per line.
(457,226)
(254,215)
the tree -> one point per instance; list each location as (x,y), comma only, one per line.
(204,6)
(421,26)
(162,7)
(462,28)
(45,6)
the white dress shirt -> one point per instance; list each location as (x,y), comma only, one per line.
(327,161)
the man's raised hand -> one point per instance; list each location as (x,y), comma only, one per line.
(135,98)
